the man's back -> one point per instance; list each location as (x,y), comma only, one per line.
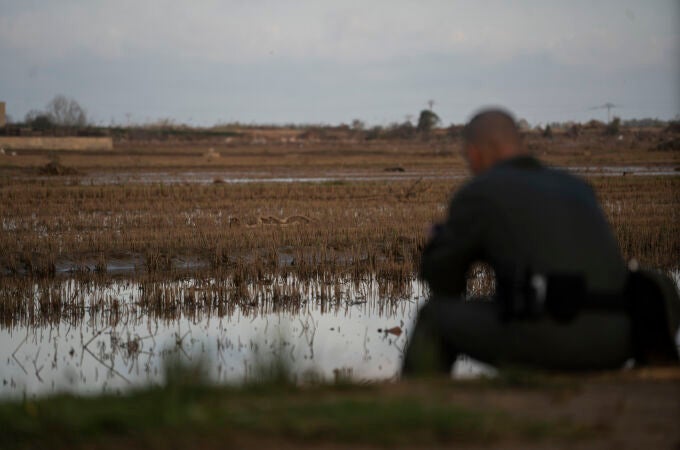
(522,217)
(524,220)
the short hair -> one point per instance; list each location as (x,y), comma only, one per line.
(489,125)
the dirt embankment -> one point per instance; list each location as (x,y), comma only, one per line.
(55,143)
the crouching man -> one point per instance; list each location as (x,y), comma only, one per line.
(562,288)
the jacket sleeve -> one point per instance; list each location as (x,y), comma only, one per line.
(455,245)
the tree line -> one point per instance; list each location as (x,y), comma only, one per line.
(60,112)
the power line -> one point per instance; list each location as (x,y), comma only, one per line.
(608,106)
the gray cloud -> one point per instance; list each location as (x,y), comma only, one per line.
(322,61)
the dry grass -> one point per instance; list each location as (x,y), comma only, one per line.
(645,215)
(254,229)
(249,229)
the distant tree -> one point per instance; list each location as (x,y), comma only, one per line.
(31,115)
(427,121)
(523,125)
(574,131)
(614,127)
(454,130)
(374,133)
(594,125)
(38,120)
(402,130)
(66,112)
(645,122)
(548,133)
(358,125)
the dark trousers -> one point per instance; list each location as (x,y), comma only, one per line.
(446,328)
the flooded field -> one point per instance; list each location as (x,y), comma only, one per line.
(116,335)
(613,171)
(217,177)
(388,174)
(94,336)
(122,264)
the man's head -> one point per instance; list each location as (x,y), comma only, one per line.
(490,137)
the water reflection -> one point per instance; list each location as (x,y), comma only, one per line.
(90,337)
(120,339)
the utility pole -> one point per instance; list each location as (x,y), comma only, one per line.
(608,106)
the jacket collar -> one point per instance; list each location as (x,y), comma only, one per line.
(520,162)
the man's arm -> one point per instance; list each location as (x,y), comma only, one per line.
(455,245)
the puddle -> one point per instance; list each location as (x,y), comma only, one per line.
(613,171)
(196,177)
(227,177)
(117,342)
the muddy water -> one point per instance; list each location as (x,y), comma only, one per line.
(230,177)
(117,342)
(613,171)
(208,177)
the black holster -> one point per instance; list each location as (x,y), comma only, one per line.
(650,299)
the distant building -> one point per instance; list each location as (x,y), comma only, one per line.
(3,118)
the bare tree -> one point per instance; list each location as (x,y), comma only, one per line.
(66,112)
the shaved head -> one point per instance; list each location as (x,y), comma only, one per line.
(490,137)
(492,127)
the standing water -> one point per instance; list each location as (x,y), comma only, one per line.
(119,335)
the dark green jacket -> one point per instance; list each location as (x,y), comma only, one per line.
(520,216)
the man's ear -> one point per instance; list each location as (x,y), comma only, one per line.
(475,159)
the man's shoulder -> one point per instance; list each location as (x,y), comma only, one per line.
(522,170)
(510,183)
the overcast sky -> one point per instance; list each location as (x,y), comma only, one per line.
(319,61)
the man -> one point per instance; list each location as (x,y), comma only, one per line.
(552,252)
